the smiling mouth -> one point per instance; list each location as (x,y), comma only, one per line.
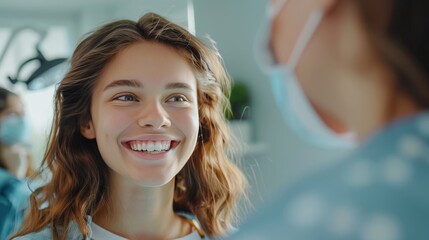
(153,147)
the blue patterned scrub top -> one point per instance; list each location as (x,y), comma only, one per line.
(380,192)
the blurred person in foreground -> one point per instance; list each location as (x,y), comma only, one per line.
(351,73)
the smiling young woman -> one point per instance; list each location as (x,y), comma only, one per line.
(137,146)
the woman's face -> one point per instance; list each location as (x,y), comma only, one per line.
(287,23)
(314,63)
(320,63)
(13,155)
(145,113)
(14,106)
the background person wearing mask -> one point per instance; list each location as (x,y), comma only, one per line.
(346,72)
(15,162)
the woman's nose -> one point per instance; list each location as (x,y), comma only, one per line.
(154,116)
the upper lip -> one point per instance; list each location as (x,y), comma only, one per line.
(153,137)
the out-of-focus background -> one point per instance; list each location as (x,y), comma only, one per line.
(273,157)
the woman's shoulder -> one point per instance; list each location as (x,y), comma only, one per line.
(46,233)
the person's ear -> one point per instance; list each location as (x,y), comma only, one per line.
(87,130)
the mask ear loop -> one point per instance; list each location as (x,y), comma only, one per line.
(273,10)
(304,37)
(302,41)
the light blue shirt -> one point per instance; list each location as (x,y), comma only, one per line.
(14,195)
(380,192)
(75,234)
(46,233)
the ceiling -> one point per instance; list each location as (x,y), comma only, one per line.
(40,13)
(24,8)
(65,5)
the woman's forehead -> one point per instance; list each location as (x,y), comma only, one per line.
(148,63)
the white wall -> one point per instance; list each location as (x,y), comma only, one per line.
(90,17)
(56,43)
(233,25)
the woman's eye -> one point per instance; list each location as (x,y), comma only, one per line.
(126,98)
(177,99)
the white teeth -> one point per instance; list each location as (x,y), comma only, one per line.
(151,146)
(158,146)
(165,145)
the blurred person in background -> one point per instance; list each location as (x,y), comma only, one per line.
(15,162)
(351,73)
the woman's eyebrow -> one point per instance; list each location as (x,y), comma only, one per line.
(123,82)
(137,84)
(179,85)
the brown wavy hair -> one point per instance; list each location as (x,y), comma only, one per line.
(209,185)
(399,32)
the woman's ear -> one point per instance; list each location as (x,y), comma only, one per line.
(87,130)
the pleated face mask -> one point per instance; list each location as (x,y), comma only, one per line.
(13,129)
(291,100)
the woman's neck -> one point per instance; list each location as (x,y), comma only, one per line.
(137,212)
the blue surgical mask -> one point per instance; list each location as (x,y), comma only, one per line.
(13,129)
(289,95)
